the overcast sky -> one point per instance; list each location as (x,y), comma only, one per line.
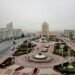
(30,14)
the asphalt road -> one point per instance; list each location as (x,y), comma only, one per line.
(6,46)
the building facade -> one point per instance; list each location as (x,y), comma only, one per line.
(69,34)
(9,32)
(45,31)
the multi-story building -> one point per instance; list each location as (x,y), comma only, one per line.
(69,34)
(9,32)
(45,31)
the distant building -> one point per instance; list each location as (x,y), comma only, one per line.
(9,32)
(45,31)
(69,34)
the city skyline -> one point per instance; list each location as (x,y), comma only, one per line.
(30,14)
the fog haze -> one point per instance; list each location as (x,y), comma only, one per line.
(30,14)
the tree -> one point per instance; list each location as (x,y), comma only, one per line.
(71,35)
(57,46)
(29,45)
(65,48)
(22,35)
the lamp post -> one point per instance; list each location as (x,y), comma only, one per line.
(31,45)
(10,53)
(62,53)
(27,46)
(59,49)
(13,59)
(69,59)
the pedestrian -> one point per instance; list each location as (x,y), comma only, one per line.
(25,58)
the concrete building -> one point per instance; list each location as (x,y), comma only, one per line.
(9,32)
(69,34)
(45,31)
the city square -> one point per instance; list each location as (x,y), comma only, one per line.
(37,37)
(37,54)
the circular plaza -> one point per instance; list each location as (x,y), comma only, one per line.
(40,59)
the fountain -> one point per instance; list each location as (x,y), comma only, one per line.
(40,58)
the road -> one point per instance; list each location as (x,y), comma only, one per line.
(5,47)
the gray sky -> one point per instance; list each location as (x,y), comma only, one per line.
(30,14)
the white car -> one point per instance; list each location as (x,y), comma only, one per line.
(12,48)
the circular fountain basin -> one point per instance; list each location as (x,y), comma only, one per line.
(40,56)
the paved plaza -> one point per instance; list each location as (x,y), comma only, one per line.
(44,68)
(56,59)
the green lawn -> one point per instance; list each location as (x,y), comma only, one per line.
(6,63)
(21,52)
(24,48)
(65,53)
(65,68)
